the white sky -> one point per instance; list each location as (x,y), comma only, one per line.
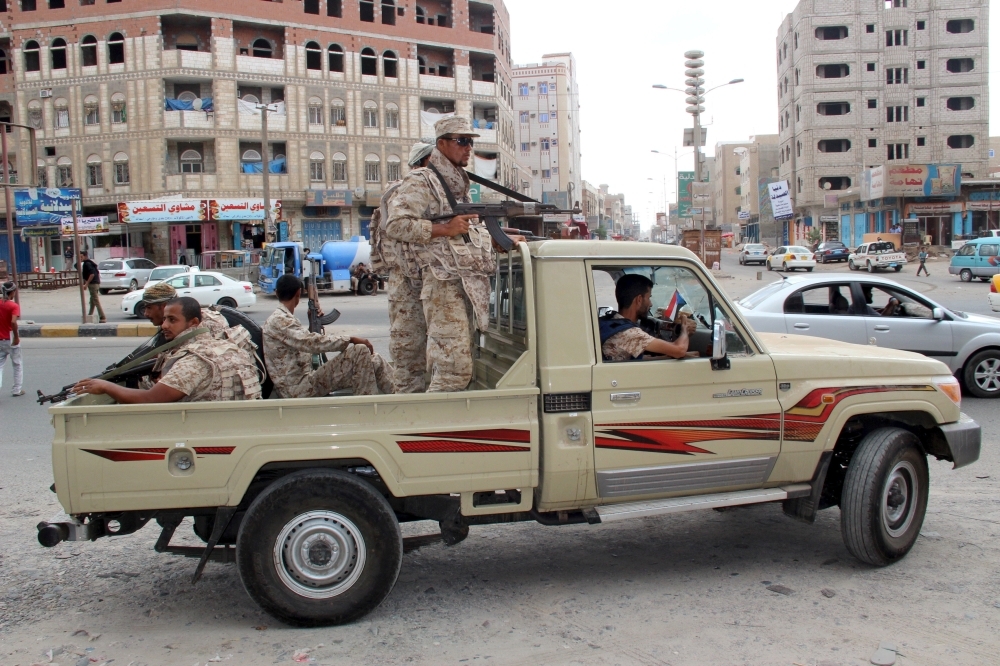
(622,48)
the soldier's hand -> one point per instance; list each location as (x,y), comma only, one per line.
(516,238)
(93,386)
(456,226)
(362,341)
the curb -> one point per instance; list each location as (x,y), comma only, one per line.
(87,331)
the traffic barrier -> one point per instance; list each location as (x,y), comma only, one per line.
(143,330)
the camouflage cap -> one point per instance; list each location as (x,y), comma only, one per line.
(161,292)
(418,152)
(453,125)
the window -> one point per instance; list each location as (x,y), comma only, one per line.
(336,56)
(116,48)
(889,4)
(870,67)
(28,5)
(122,176)
(832,33)
(43,174)
(523,117)
(393,170)
(388,12)
(391,116)
(921,25)
(35,113)
(62,113)
(261,48)
(834,146)
(873,143)
(832,71)
(95,172)
(873,104)
(544,145)
(91,111)
(191,162)
(334,8)
(825,300)
(369,62)
(64,172)
(897,151)
(367,11)
(522,89)
(960,65)
(921,141)
(317,171)
(525,147)
(546,174)
(389,65)
(797,75)
(897,114)
(967,250)
(897,37)
(339,170)
(833,108)
(870,28)
(32,62)
(960,26)
(373,173)
(338,113)
(960,103)
(311,6)
(988,249)
(897,75)
(835,183)
(3,61)
(58,53)
(543,117)
(88,51)
(315,111)
(118,114)
(921,64)
(370,114)
(961,141)
(314,56)
(543,88)
(921,101)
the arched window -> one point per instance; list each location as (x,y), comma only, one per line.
(262,48)
(35,113)
(122,176)
(191,161)
(336,56)
(314,56)
(370,114)
(88,51)
(317,170)
(421,15)
(391,116)
(3,61)
(338,113)
(62,112)
(64,172)
(118,113)
(43,173)
(58,53)
(186,42)
(373,171)
(393,168)
(251,156)
(369,62)
(116,48)
(390,65)
(339,171)
(315,111)
(95,171)
(91,111)
(32,63)
(388,12)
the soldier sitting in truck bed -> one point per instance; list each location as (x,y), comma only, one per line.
(621,337)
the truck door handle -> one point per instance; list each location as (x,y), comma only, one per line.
(882,327)
(630,396)
(804,327)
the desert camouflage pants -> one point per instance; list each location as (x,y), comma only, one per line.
(357,369)
(407,334)
(448,314)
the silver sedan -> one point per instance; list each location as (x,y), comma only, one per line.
(874,310)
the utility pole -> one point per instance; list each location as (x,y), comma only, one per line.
(694,71)
(9,195)
(266,163)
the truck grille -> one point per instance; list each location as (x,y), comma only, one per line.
(567,402)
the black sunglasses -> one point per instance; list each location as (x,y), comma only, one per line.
(463,141)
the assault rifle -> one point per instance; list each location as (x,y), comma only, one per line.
(133,367)
(317,321)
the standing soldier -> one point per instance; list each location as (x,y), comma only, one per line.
(437,266)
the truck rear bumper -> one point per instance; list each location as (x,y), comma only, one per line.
(964,439)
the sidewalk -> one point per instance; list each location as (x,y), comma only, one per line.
(134,330)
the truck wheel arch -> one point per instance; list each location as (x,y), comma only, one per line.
(269,472)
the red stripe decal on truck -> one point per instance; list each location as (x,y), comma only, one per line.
(128,455)
(494,435)
(452,446)
(214,450)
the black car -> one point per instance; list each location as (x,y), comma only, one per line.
(831,251)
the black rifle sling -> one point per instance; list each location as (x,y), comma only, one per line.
(517,196)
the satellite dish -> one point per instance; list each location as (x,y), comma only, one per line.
(359,192)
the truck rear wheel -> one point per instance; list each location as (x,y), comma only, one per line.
(884,497)
(319,547)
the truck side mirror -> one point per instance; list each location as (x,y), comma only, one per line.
(939,313)
(719,359)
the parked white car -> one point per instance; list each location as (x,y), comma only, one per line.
(790,257)
(209,288)
(753,253)
(129,274)
(161,273)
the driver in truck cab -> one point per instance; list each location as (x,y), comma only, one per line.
(621,337)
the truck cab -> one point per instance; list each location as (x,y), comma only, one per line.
(336,261)
(279,259)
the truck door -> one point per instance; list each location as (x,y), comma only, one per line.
(664,426)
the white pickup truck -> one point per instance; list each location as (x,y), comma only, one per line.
(306,496)
(880,255)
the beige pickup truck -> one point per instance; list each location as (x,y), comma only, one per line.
(307,495)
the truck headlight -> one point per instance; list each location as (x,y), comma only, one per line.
(950,387)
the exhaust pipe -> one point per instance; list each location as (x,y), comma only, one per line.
(51,534)
(61,528)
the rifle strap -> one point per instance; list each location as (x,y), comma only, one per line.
(179,340)
(444,184)
(496,187)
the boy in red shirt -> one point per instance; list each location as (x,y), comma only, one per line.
(10,340)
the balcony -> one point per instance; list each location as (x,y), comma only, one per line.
(252,65)
(251,121)
(255,181)
(484,88)
(486,135)
(192,182)
(189,120)
(441,83)
(173,59)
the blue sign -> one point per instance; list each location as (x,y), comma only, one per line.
(36,206)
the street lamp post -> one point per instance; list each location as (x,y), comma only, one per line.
(8,194)
(266,163)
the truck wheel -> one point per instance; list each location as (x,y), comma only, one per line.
(982,374)
(884,497)
(850,264)
(367,287)
(319,547)
(897,268)
(871,267)
(966,275)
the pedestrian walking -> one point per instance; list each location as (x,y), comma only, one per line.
(922,257)
(92,281)
(10,339)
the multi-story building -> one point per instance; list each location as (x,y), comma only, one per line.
(726,186)
(757,160)
(867,83)
(153,99)
(592,205)
(547,110)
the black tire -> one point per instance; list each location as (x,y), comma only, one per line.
(884,498)
(850,264)
(809,270)
(784,267)
(367,287)
(769,267)
(822,260)
(981,374)
(333,508)
(966,275)
(139,310)
(897,268)
(871,267)
(132,286)
(984,279)
(104,292)
(228,302)
(741,260)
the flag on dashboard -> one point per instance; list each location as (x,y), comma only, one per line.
(674,306)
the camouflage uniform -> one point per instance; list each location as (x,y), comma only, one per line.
(451,276)
(206,369)
(626,345)
(288,352)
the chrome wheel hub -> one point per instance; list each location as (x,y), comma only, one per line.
(899,498)
(319,554)
(987,374)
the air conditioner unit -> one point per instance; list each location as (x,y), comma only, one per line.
(534,172)
(45,93)
(532,115)
(534,143)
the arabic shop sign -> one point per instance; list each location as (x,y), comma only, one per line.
(43,206)
(781,200)
(873,183)
(335,198)
(684,180)
(196,210)
(86,225)
(923,180)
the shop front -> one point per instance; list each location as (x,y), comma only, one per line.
(936,222)
(326,216)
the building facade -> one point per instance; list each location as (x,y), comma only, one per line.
(759,160)
(160,99)
(863,84)
(726,185)
(547,110)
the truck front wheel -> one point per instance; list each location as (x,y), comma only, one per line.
(884,497)
(319,547)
